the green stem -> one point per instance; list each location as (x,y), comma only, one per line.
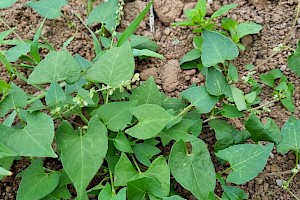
(112,182)
(217,197)
(225,170)
(297,159)
(291,193)
(136,165)
(81,115)
(185,110)
(263,105)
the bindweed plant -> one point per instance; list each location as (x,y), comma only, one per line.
(99,121)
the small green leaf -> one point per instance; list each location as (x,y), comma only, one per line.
(6,163)
(173,104)
(227,135)
(290,136)
(113,68)
(234,193)
(48,8)
(194,54)
(250,97)
(14,53)
(4,87)
(215,82)
(144,152)
(137,189)
(263,132)
(78,150)
(144,53)
(246,161)
(7,3)
(294,60)
(147,93)
(57,66)
(105,13)
(36,183)
(269,77)
(55,95)
(152,119)
(247,28)
(217,48)
(238,98)
(16,99)
(233,73)
(200,98)
(122,143)
(124,171)
(223,10)
(230,25)
(115,115)
(174,197)
(4,172)
(195,171)
(231,112)
(34,139)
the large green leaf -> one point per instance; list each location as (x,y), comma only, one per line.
(57,66)
(16,99)
(246,161)
(226,134)
(114,67)
(290,136)
(34,139)
(6,3)
(115,115)
(216,83)
(217,48)
(105,13)
(48,8)
(36,183)
(82,155)
(194,171)
(200,98)
(294,60)
(263,132)
(147,93)
(152,119)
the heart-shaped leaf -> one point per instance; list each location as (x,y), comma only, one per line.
(48,8)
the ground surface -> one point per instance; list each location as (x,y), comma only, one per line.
(276,18)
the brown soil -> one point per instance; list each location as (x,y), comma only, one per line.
(276,16)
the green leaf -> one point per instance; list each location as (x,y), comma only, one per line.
(194,54)
(174,197)
(115,115)
(247,28)
(6,152)
(234,193)
(48,8)
(230,25)
(7,3)
(227,135)
(55,95)
(58,194)
(238,98)
(216,83)
(4,87)
(233,73)
(231,112)
(105,13)
(147,93)
(152,119)
(269,77)
(294,60)
(14,53)
(34,47)
(57,66)
(142,42)
(16,98)
(4,172)
(34,139)
(122,143)
(223,10)
(144,152)
(246,161)
(82,155)
(113,68)
(195,171)
(137,189)
(263,132)
(142,53)
(36,183)
(173,104)
(217,48)
(200,98)
(290,136)
(124,171)
(133,25)
(250,97)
